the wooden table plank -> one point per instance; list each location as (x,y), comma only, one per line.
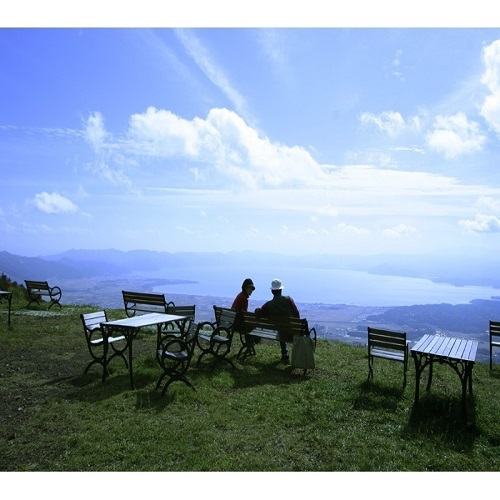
(422,342)
(444,347)
(458,349)
(435,342)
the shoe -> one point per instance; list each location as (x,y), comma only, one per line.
(285,358)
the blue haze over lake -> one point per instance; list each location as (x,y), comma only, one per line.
(322,286)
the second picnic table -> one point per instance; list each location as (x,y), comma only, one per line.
(460,354)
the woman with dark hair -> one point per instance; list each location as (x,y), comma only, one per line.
(240,302)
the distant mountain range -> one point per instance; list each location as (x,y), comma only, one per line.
(73,264)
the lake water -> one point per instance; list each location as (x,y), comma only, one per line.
(322,286)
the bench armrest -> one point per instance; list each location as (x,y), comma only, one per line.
(313,335)
(55,291)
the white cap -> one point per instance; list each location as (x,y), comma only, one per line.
(276,284)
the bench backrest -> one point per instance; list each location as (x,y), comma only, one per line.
(287,328)
(494,329)
(225,317)
(188,311)
(139,302)
(92,321)
(37,285)
(386,339)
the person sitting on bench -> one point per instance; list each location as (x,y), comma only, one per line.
(279,306)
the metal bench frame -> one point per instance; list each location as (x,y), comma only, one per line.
(174,354)
(98,343)
(38,289)
(215,338)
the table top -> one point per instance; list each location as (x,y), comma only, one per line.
(446,347)
(145,320)
(3,292)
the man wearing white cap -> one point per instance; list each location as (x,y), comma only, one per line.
(282,306)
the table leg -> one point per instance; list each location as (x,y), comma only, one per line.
(469,368)
(105,347)
(429,382)
(418,372)
(10,303)
(8,298)
(464,392)
(130,357)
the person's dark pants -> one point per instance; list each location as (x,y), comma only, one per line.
(284,349)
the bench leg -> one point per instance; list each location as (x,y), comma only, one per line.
(370,367)
(247,347)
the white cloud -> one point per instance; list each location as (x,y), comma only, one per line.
(482,224)
(351,229)
(95,132)
(490,109)
(399,231)
(214,160)
(102,169)
(54,203)
(162,133)
(224,142)
(328,211)
(455,135)
(390,122)
(396,62)
(488,203)
(206,62)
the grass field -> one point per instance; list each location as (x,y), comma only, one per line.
(261,416)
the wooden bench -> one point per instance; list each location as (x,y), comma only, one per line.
(273,329)
(390,345)
(38,289)
(139,302)
(216,338)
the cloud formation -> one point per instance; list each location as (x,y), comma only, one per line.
(455,135)
(53,203)
(482,224)
(490,109)
(390,122)
(225,144)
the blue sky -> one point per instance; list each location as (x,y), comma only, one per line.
(292,140)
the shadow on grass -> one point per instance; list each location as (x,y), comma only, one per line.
(91,388)
(375,396)
(266,373)
(147,372)
(442,418)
